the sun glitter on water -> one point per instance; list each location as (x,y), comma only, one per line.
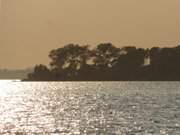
(4,85)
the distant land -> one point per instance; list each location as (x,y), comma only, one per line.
(106,62)
(14,73)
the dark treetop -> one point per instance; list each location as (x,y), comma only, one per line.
(109,63)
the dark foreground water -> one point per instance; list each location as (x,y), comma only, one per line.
(90,108)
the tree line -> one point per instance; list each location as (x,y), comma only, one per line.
(107,62)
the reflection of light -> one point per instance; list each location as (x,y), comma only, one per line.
(3,86)
(147,61)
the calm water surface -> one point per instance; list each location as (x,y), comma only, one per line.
(89,108)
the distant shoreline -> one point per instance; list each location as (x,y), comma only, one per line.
(22,80)
(106,62)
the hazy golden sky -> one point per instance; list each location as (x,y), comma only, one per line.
(29,29)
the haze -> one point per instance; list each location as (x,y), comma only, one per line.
(29,29)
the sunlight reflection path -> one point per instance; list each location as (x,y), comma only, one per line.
(89,108)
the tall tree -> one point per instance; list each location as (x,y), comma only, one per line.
(129,63)
(41,72)
(106,55)
(69,59)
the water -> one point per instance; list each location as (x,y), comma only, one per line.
(89,108)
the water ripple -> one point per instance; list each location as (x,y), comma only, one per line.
(89,108)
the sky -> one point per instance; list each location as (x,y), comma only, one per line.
(29,29)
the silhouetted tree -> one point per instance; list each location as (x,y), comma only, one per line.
(105,57)
(41,72)
(165,63)
(129,63)
(107,63)
(69,60)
